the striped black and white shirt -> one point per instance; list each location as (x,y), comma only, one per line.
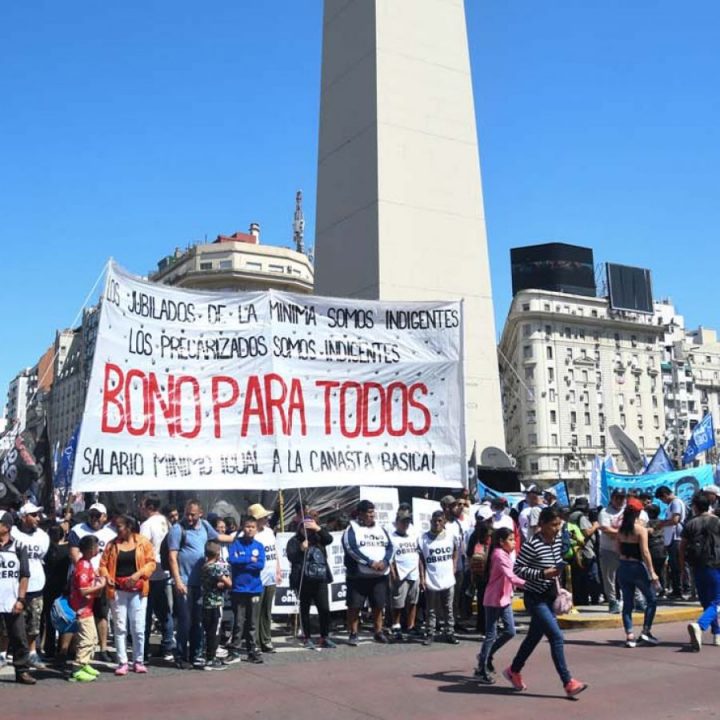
(535,557)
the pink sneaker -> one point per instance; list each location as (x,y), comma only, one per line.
(139,667)
(574,687)
(515,679)
(121,669)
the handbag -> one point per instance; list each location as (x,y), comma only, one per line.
(563,602)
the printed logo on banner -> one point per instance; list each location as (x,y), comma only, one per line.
(268,390)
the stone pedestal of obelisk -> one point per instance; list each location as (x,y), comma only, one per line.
(399,200)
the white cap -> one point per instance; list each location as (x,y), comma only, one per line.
(714,489)
(99,507)
(484,512)
(28,509)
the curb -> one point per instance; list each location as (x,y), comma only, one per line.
(607,621)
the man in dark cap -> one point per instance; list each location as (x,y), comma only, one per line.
(14,578)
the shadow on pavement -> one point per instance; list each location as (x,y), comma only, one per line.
(467,685)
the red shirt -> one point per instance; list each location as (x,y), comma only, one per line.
(83,577)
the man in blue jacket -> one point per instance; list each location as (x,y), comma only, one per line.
(247,558)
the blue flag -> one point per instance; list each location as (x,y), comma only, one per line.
(561,493)
(660,463)
(63,477)
(701,438)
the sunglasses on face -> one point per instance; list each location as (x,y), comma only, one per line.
(35,514)
(94,516)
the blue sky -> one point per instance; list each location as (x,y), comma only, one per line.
(128,129)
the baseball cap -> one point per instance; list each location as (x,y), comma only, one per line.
(6,519)
(498,502)
(635,504)
(98,507)
(532,489)
(550,491)
(258,512)
(484,512)
(29,509)
(714,489)
(447,500)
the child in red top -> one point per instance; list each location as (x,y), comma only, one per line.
(498,602)
(84,587)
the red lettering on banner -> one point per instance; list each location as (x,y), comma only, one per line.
(110,397)
(168,409)
(217,405)
(254,406)
(414,403)
(195,385)
(328,385)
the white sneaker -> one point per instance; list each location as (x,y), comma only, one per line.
(716,640)
(695,636)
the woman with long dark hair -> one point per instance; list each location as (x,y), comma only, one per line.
(478,553)
(636,572)
(128,562)
(539,564)
(310,576)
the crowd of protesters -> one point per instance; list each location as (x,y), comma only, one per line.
(62,580)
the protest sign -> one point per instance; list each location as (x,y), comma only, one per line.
(268,390)
(386,503)
(683,483)
(422,512)
(286,601)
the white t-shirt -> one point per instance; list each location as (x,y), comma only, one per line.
(405,554)
(155,528)
(266,537)
(674,532)
(529,518)
(437,554)
(36,545)
(502,520)
(104,535)
(610,517)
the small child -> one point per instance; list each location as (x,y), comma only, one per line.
(85,586)
(656,544)
(247,558)
(498,602)
(215,579)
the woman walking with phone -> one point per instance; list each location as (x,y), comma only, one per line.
(636,572)
(540,564)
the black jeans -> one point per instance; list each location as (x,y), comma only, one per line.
(314,591)
(246,610)
(17,640)
(211,618)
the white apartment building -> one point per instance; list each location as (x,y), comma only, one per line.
(20,391)
(237,262)
(570,367)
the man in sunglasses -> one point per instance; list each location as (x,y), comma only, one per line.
(96,525)
(36,542)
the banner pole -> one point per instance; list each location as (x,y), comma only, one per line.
(281,504)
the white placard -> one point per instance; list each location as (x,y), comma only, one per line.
(267,390)
(386,503)
(422,512)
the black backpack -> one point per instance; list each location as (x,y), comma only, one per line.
(165,548)
(704,548)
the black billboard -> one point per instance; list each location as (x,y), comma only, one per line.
(553,266)
(629,288)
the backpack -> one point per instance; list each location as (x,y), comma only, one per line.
(315,567)
(165,548)
(704,548)
(478,559)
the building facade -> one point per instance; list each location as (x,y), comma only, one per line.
(570,367)
(237,262)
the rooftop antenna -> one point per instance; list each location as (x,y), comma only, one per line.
(299,224)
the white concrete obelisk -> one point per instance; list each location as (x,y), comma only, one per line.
(399,199)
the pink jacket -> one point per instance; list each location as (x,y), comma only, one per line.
(498,592)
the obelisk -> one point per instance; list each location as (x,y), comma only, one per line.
(399,199)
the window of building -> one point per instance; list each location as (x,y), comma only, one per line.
(573,440)
(594,313)
(587,418)
(633,340)
(546,307)
(553,416)
(588,441)
(640,422)
(552,395)
(623,420)
(551,374)
(573,417)
(534,468)
(554,439)
(530,417)
(549,352)
(527,351)
(253,265)
(556,464)
(527,330)
(526,307)
(638,400)
(654,401)
(571,396)
(585,376)
(568,333)
(548,330)
(571,374)
(617,338)
(276,268)
(581,333)
(206,266)
(532,439)
(641,439)
(529,373)
(656,422)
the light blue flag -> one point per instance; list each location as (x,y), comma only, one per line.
(701,438)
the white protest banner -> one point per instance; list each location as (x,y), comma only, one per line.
(268,390)
(422,512)
(385,500)
(286,601)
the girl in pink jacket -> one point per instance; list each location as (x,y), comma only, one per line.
(498,602)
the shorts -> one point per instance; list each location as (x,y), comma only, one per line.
(405,592)
(33,614)
(101,606)
(372,589)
